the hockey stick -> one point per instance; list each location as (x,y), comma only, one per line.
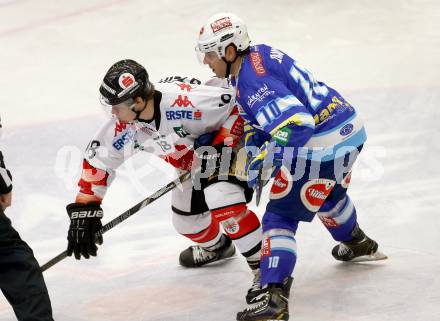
(259,187)
(262,181)
(150,199)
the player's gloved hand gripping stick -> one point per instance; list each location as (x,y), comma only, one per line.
(136,208)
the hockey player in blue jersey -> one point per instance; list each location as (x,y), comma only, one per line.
(308,136)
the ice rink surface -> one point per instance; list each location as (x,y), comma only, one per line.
(383,56)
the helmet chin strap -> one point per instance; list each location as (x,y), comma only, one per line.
(229,65)
(138,113)
(228,68)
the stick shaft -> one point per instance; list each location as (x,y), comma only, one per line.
(119,219)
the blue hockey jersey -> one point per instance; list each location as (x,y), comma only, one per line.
(283,99)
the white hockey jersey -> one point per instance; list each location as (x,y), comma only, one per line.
(183,112)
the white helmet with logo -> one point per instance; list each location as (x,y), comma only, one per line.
(222,30)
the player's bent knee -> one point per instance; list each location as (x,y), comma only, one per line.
(199,228)
(190,224)
(224,194)
(237,220)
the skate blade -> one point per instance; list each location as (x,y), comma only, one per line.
(221,261)
(377,256)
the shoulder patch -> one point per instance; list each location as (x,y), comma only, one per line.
(257,63)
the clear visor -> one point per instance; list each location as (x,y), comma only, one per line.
(129,103)
(206,57)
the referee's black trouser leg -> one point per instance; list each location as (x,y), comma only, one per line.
(21,279)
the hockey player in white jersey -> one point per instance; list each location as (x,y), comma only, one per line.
(168,119)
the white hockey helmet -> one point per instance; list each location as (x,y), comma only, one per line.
(222,30)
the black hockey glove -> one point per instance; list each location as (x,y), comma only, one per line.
(85,221)
(208,155)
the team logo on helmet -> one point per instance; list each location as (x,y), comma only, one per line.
(221,24)
(202,30)
(126,80)
(128,83)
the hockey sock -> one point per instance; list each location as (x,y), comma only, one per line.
(243,227)
(254,264)
(208,237)
(339,219)
(278,256)
(218,245)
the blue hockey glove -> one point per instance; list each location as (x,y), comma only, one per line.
(253,138)
(267,156)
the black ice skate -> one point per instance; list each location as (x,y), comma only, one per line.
(273,305)
(255,289)
(360,249)
(254,293)
(196,256)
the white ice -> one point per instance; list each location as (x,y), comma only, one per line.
(384,56)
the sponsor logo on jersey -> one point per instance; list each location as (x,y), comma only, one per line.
(237,127)
(123,139)
(197,115)
(183,114)
(171,79)
(282,136)
(259,95)
(282,184)
(346,129)
(184,86)
(221,24)
(257,63)
(277,55)
(120,127)
(314,193)
(265,247)
(182,101)
(180,131)
(335,105)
